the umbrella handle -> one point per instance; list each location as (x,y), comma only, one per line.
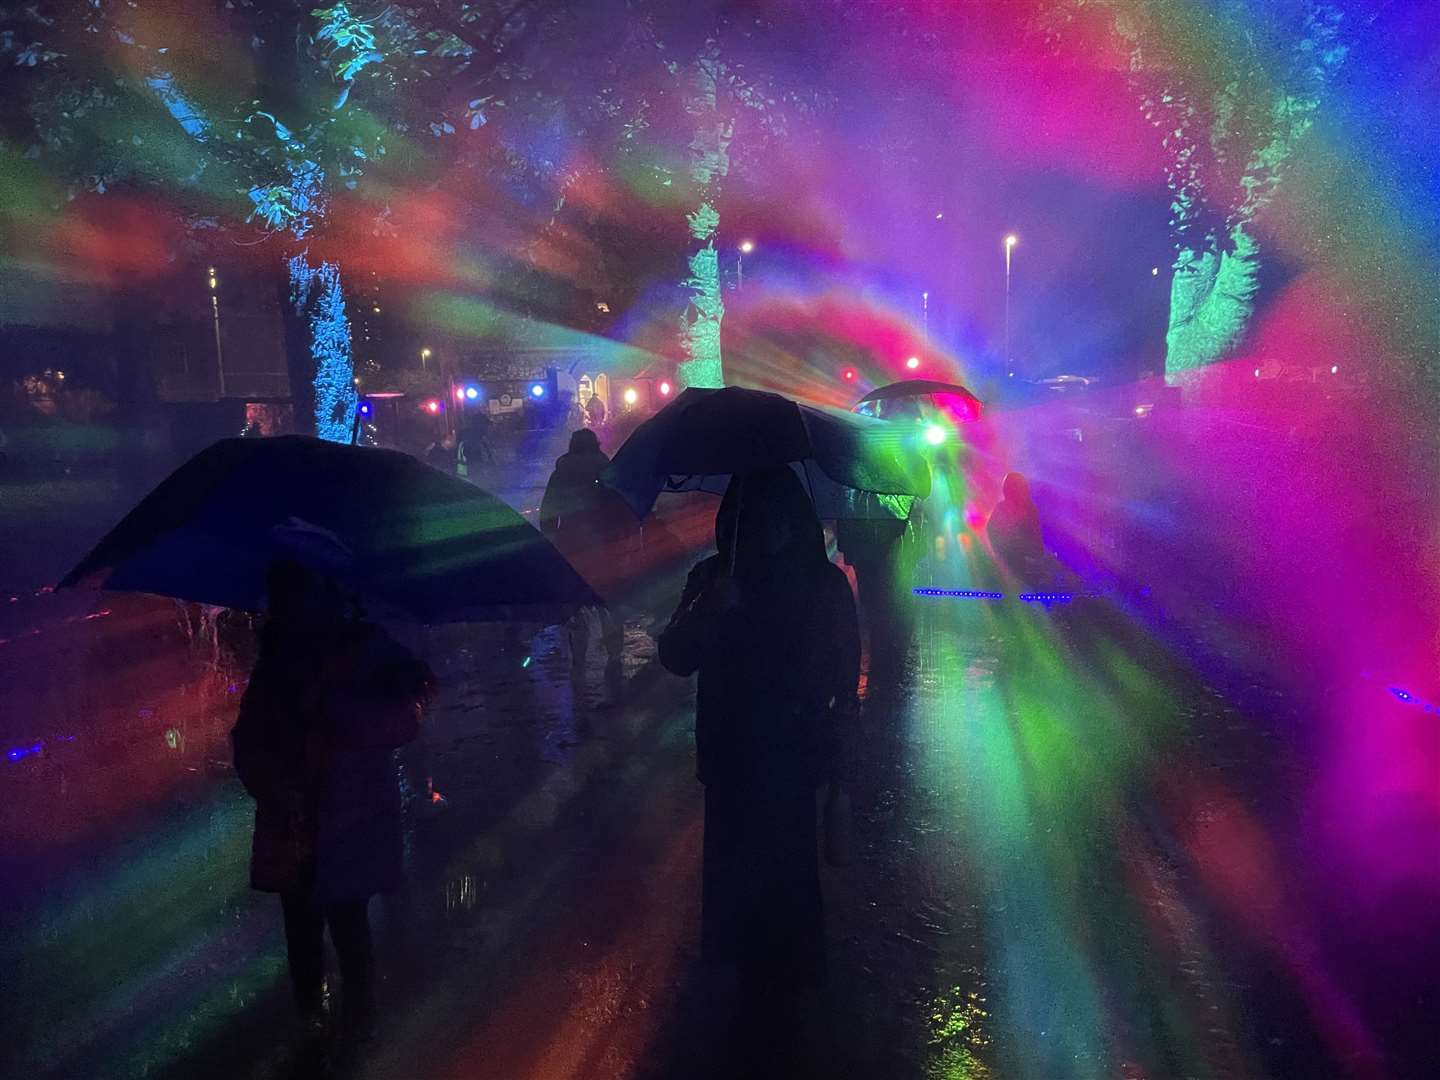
(735,539)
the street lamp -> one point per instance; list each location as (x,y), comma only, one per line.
(746,247)
(1010,242)
(424,355)
(219,350)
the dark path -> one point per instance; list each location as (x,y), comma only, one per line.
(1073,860)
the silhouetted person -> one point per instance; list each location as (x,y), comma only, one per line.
(770,626)
(1014,532)
(476,440)
(441,453)
(595,530)
(329,701)
(883,552)
(595,411)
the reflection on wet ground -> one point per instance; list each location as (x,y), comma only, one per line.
(1066,866)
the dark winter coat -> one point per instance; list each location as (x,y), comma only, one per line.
(326,708)
(778,671)
(1014,531)
(587,521)
(770,626)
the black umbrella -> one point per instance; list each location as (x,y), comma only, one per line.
(705,436)
(908,388)
(416,540)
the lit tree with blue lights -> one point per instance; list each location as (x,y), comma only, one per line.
(109,95)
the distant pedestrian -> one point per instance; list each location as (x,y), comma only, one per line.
(595,530)
(883,551)
(770,626)
(475,440)
(330,700)
(595,411)
(1014,533)
(441,453)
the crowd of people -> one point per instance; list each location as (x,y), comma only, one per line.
(767,624)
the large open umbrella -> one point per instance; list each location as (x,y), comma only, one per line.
(705,436)
(915,388)
(413,539)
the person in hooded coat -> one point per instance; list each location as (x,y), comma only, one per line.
(1014,532)
(329,701)
(769,623)
(595,530)
(884,552)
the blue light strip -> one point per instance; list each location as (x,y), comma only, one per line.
(24,751)
(1047,597)
(970,594)
(1401,694)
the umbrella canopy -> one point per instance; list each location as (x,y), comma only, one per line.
(920,388)
(705,436)
(418,541)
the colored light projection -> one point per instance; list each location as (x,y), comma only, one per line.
(1181,824)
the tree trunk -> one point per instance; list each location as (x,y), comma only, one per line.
(322,372)
(1212,297)
(709,161)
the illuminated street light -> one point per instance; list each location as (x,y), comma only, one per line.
(746,247)
(664,389)
(215,314)
(913,363)
(471,393)
(1010,241)
(631,395)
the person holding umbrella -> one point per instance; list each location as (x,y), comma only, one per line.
(276,525)
(593,528)
(769,624)
(330,700)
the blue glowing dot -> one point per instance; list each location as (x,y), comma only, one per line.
(537,390)
(471,393)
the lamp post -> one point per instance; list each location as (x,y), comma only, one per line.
(1010,242)
(746,247)
(424,356)
(219,350)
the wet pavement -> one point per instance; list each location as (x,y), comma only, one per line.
(1074,857)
